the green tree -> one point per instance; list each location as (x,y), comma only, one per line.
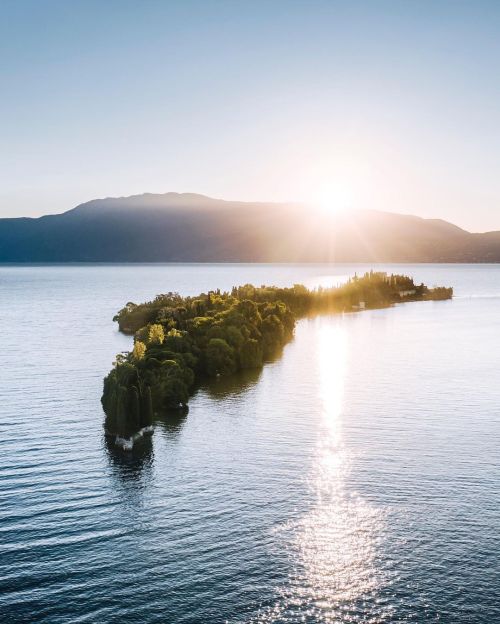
(251,354)
(220,358)
(146,408)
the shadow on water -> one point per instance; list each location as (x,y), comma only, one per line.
(133,467)
(172,421)
(233,385)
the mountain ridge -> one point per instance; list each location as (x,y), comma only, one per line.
(186,227)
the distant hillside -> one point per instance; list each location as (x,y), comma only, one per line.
(193,228)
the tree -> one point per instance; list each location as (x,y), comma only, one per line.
(251,354)
(152,334)
(146,408)
(220,358)
(156,335)
(273,334)
(139,350)
(249,310)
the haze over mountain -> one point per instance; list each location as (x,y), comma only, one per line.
(186,227)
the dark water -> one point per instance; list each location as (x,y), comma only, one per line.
(355,479)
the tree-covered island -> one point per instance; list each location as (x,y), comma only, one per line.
(180,340)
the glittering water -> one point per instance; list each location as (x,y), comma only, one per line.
(354,479)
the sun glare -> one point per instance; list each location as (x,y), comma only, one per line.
(333,199)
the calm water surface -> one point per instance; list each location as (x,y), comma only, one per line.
(355,479)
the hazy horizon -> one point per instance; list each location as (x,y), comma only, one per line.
(305,205)
(394,105)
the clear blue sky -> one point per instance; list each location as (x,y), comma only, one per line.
(397,102)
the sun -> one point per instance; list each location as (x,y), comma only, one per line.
(333,198)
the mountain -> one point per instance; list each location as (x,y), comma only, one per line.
(186,227)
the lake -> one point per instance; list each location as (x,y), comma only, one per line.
(353,479)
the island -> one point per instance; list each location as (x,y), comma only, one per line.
(179,341)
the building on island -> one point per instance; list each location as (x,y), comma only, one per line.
(406,293)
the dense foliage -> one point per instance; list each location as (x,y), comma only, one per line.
(180,339)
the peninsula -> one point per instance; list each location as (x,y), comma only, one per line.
(181,340)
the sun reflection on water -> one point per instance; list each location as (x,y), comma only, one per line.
(334,546)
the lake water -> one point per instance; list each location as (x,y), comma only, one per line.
(354,479)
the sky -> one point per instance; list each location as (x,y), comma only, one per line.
(388,105)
